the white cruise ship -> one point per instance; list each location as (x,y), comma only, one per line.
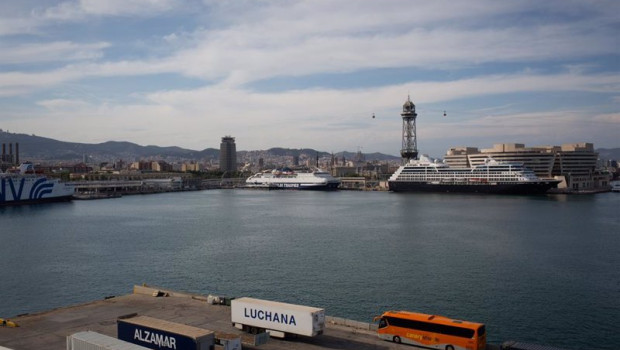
(26,187)
(427,175)
(287,179)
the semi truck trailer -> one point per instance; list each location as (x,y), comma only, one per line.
(276,318)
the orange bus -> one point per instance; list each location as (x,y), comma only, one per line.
(431,331)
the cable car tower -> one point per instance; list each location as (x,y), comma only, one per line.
(410,144)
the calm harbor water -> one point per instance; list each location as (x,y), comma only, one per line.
(542,269)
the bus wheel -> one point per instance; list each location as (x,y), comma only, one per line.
(396,339)
(449,347)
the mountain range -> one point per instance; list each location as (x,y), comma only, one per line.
(42,149)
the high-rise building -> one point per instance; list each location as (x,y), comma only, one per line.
(228,154)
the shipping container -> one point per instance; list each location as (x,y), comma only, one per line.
(160,334)
(278,319)
(95,341)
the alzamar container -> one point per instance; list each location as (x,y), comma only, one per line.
(95,341)
(278,319)
(154,333)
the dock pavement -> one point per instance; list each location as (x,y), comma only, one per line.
(49,329)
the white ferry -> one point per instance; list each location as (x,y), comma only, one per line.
(287,179)
(26,187)
(428,175)
(615,186)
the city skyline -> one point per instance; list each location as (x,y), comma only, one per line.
(312,74)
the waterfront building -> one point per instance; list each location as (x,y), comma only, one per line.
(185,167)
(228,154)
(457,156)
(573,163)
(160,166)
(538,159)
(141,165)
(576,162)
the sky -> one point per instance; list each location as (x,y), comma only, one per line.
(311,73)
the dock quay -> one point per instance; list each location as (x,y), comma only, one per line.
(50,329)
(118,188)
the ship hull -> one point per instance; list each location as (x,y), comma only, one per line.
(26,189)
(296,186)
(37,201)
(290,180)
(517,188)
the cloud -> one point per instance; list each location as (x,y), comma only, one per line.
(611,118)
(51,52)
(444,50)
(266,40)
(82,9)
(286,41)
(64,105)
(320,117)
(32,17)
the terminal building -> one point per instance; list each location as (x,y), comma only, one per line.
(574,163)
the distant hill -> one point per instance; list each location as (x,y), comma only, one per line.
(36,148)
(609,153)
(42,149)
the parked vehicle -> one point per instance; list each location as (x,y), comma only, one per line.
(276,318)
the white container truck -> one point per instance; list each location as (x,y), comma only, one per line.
(278,319)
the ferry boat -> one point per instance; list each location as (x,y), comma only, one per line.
(615,186)
(288,179)
(27,187)
(428,175)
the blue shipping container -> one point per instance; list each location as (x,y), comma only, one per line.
(159,334)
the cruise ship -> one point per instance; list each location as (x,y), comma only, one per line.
(26,187)
(428,175)
(287,179)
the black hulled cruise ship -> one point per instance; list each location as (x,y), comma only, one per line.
(427,175)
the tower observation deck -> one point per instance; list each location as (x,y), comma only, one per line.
(409,148)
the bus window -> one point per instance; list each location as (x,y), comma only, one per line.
(383,323)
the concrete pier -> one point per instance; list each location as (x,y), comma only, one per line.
(49,329)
